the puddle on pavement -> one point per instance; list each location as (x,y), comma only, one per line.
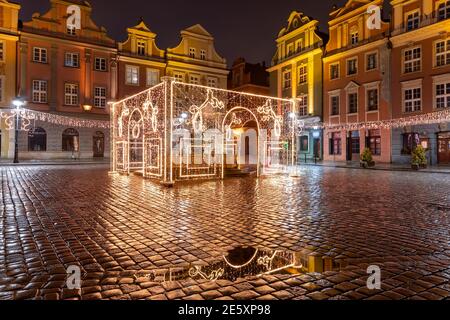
(242,262)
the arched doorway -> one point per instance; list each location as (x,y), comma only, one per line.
(37,139)
(98,144)
(136,141)
(70,140)
(241,142)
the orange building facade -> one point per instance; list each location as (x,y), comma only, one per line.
(421,76)
(67,65)
(249,77)
(356,70)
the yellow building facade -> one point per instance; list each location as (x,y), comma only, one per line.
(9,37)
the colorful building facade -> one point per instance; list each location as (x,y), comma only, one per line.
(296,73)
(9,36)
(420,76)
(356,83)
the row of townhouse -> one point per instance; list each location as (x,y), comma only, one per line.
(76,70)
(358,74)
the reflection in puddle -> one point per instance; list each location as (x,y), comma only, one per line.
(240,262)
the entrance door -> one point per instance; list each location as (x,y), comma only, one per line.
(444,149)
(99,144)
(317,148)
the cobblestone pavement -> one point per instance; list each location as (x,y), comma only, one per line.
(120,228)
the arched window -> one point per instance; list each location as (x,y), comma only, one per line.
(70,140)
(444,10)
(37,139)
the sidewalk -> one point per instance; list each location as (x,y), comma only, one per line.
(379,166)
(58,162)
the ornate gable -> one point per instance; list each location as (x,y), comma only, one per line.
(349,7)
(296,20)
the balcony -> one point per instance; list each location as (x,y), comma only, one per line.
(425,20)
(297,53)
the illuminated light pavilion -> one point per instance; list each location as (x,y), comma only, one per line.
(177,131)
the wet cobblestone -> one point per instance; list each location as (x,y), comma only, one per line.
(115,227)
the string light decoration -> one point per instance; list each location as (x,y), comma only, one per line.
(28,117)
(178,131)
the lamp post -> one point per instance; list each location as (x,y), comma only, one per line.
(18,103)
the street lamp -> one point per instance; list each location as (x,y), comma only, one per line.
(18,103)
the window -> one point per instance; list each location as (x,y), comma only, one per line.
(287,79)
(192,52)
(152,77)
(100,97)
(334,71)
(71,94)
(203,54)
(412,62)
(372,99)
(70,140)
(353,102)
(334,102)
(40,55)
(100,64)
(304,143)
(444,11)
(302,74)
(212,82)
(354,37)
(299,45)
(410,142)
(412,21)
(356,144)
(2,51)
(352,67)
(335,144)
(443,95)
(290,49)
(39,91)
(194,79)
(71,30)
(413,99)
(132,75)
(375,142)
(303,105)
(37,140)
(2,88)
(141,47)
(371,61)
(179,77)
(442,53)
(72,60)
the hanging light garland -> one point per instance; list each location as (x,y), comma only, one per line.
(28,116)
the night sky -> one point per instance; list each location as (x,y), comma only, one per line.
(245,28)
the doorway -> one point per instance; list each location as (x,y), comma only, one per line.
(444,148)
(99,144)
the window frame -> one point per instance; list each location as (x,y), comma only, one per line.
(445,53)
(203,54)
(338,96)
(40,92)
(377,141)
(348,69)
(100,98)
(287,80)
(352,93)
(72,55)
(141,44)
(100,69)
(41,50)
(154,71)
(303,105)
(71,95)
(412,60)
(338,70)
(212,79)
(2,50)
(445,8)
(367,55)
(411,14)
(128,68)
(412,100)
(194,76)
(192,52)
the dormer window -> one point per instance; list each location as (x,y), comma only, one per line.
(290,50)
(412,20)
(71,30)
(444,11)
(192,52)
(141,47)
(203,54)
(299,45)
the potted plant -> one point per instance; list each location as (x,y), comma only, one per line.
(366,159)
(418,158)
